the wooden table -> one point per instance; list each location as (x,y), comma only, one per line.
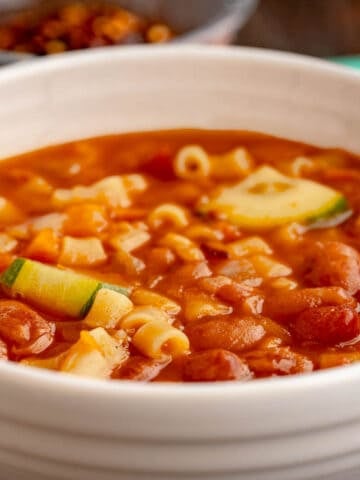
(314,27)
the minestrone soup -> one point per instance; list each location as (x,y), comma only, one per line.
(180,256)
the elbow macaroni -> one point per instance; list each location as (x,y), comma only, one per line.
(153,335)
(168,213)
(141,296)
(183,247)
(111,191)
(193,162)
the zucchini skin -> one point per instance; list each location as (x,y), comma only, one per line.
(9,277)
(11,273)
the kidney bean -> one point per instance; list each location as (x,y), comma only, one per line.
(26,331)
(333,264)
(327,325)
(234,334)
(215,365)
(278,361)
(281,306)
(139,369)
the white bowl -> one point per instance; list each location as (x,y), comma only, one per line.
(54,426)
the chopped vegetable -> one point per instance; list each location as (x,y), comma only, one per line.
(9,214)
(45,246)
(82,252)
(268,198)
(107,309)
(59,291)
(96,354)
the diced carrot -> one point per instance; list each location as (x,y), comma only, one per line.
(44,247)
(85,220)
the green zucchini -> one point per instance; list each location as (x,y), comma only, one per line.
(52,289)
(267,198)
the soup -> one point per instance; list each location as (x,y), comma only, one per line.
(76,26)
(180,256)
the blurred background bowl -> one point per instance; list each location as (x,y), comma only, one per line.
(204,21)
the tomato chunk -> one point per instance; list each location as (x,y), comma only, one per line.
(215,365)
(327,325)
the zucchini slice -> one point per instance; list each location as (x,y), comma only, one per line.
(54,290)
(267,198)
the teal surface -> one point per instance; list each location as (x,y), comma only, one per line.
(350,61)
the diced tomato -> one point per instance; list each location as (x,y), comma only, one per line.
(160,166)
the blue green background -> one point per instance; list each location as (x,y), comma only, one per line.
(350,61)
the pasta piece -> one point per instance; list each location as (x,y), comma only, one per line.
(249,246)
(110,191)
(199,305)
(214,284)
(85,359)
(135,183)
(20,231)
(141,296)
(192,163)
(82,252)
(158,340)
(108,309)
(269,268)
(234,164)
(183,247)
(9,214)
(129,241)
(45,247)
(95,354)
(127,263)
(152,333)
(203,233)
(299,165)
(284,283)
(113,347)
(253,305)
(139,316)
(168,214)
(55,221)
(7,243)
